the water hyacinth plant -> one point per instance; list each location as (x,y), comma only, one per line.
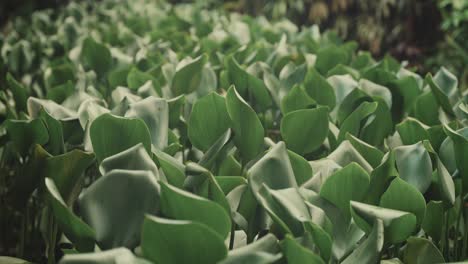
(141,132)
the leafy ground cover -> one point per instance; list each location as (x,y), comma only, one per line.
(136,132)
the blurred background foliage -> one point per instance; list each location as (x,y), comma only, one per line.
(426,33)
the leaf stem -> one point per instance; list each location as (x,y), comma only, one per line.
(457,244)
(23,233)
(465,237)
(52,239)
(233,234)
(446,238)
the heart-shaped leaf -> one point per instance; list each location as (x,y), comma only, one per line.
(414,165)
(182,205)
(155,113)
(346,185)
(111,134)
(369,250)
(296,253)
(248,130)
(187,79)
(310,122)
(248,84)
(73,227)
(96,56)
(116,218)
(274,170)
(208,121)
(398,225)
(180,241)
(421,250)
(402,196)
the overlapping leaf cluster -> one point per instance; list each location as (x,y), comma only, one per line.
(149,133)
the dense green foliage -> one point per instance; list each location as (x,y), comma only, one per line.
(453,50)
(138,132)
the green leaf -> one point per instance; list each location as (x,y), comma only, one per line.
(188,78)
(369,251)
(55,110)
(117,255)
(56,143)
(444,86)
(434,220)
(230,166)
(310,122)
(118,76)
(341,69)
(381,177)
(342,85)
(321,237)
(372,154)
(58,75)
(274,170)
(319,89)
(348,184)
(378,126)
(421,250)
(208,121)
(89,110)
(253,257)
(460,147)
(408,88)
(205,185)
(362,60)
(398,225)
(115,205)
(174,170)
(19,92)
(25,133)
(137,78)
(345,153)
(180,241)
(301,168)
(402,196)
(181,205)
(112,134)
(377,91)
(175,110)
(217,150)
(296,253)
(67,171)
(426,109)
(155,113)
(352,124)
(350,102)
(261,251)
(96,56)
(412,131)
(296,99)
(330,56)
(445,183)
(228,183)
(292,75)
(79,233)
(286,207)
(414,165)
(133,158)
(247,128)
(345,232)
(28,178)
(248,85)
